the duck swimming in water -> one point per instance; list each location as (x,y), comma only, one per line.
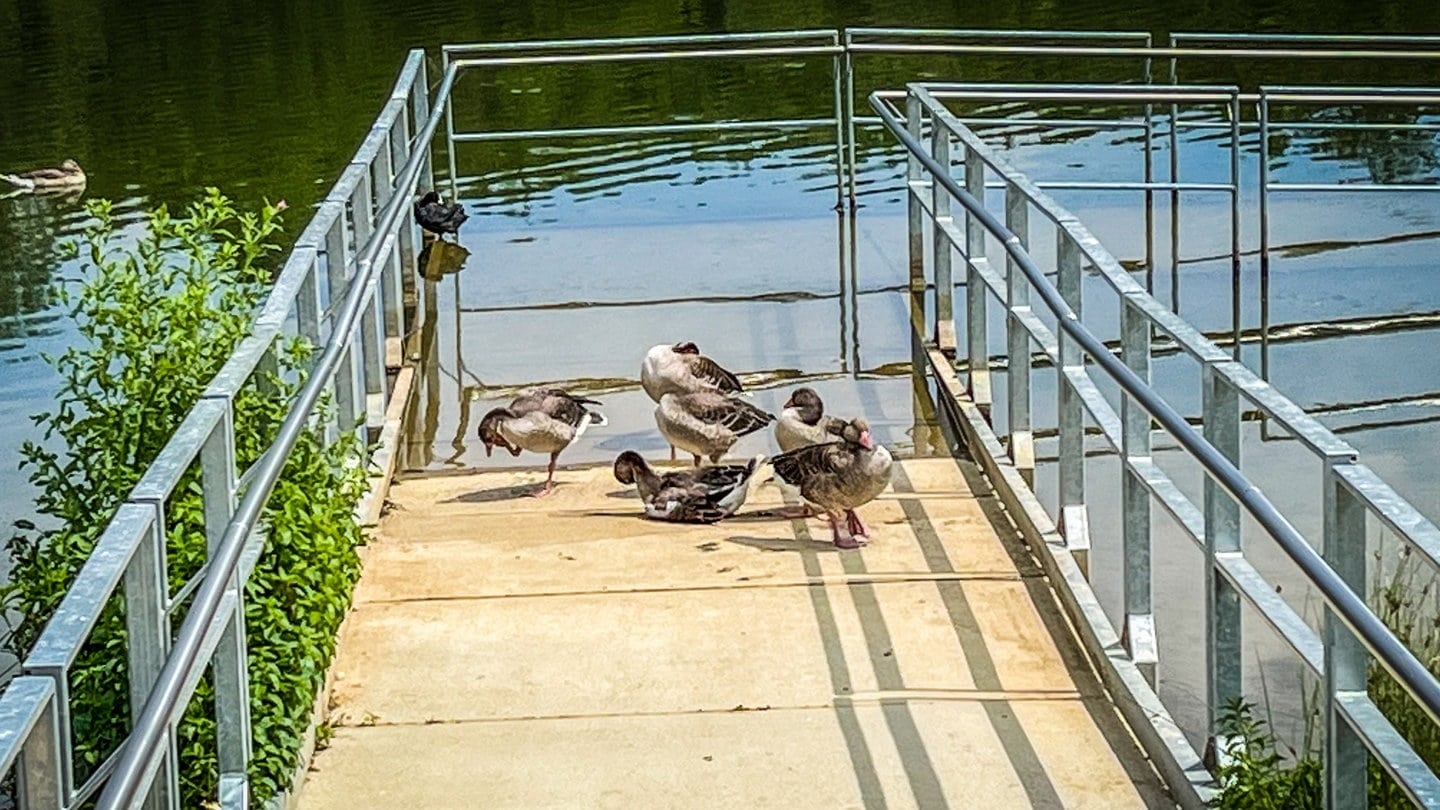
(66,175)
(438,218)
(541,420)
(699,495)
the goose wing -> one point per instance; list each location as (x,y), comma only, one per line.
(808,464)
(735,415)
(712,372)
(553,402)
(48,173)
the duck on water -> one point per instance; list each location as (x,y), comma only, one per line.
(435,216)
(66,175)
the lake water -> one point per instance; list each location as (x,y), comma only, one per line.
(731,242)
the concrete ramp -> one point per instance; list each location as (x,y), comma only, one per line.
(509,652)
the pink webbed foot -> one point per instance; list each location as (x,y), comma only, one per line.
(843,539)
(852,522)
(540,492)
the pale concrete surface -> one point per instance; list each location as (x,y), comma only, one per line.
(567,653)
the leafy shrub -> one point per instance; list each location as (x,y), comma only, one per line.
(1255,775)
(156,320)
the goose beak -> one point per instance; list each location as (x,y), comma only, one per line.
(488,449)
(789,403)
(866,442)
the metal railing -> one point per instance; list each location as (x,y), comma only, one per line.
(1352,635)
(364,239)
(341,289)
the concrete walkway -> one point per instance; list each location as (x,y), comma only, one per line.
(565,653)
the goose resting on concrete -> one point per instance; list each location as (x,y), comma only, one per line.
(803,422)
(839,476)
(66,175)
(707,423)
(699,495)
(438,218)
(682,369)
(541,420)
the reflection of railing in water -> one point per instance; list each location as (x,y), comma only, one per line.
(1352,632)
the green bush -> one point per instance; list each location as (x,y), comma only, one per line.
(1255,775)
(157,318)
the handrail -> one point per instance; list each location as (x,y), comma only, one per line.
(139,757)
(1341,599)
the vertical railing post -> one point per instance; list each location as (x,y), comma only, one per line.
(915,212)
(232,686)
(390,291)
(1021,445)
(399,153)
(941,248)
(372,345)
(1139,632)
(337,261)
(837,80)
(1220,414)
(147,631)
(1074,516)
(39,771)
(1264,115)
(1346,662)
(420,108)
(977,343)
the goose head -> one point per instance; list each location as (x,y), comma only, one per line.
(490,430)
(627,465)
(685,347)
(807,403)
(430,197)
(856,431)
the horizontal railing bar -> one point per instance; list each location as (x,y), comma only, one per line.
(826,34)
(1299,94)
(1162,122)
(990,33)
(1175,502)
(646,56)
(1149,53)
(1198,36)
(1309,430)
(1396,513)
(1390,749)
(64,635)
(96,781)
(1099,408)
(1273,608)
(21,706)
(1426,187)
(1349,607)
(641,129)
(163,474)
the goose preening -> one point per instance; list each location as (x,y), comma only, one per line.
(839,476)
(803,422)
(707,423)
(438,218)
(682,369)
(541,420)
(699,495)
(66,175)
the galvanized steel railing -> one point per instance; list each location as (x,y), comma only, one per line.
(1352,636)
(341,288)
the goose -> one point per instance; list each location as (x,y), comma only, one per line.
(803,422)
(839,476)
(682,369)
(700,495)
(706,423)
(66,175)
(438,218)
(541,420)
